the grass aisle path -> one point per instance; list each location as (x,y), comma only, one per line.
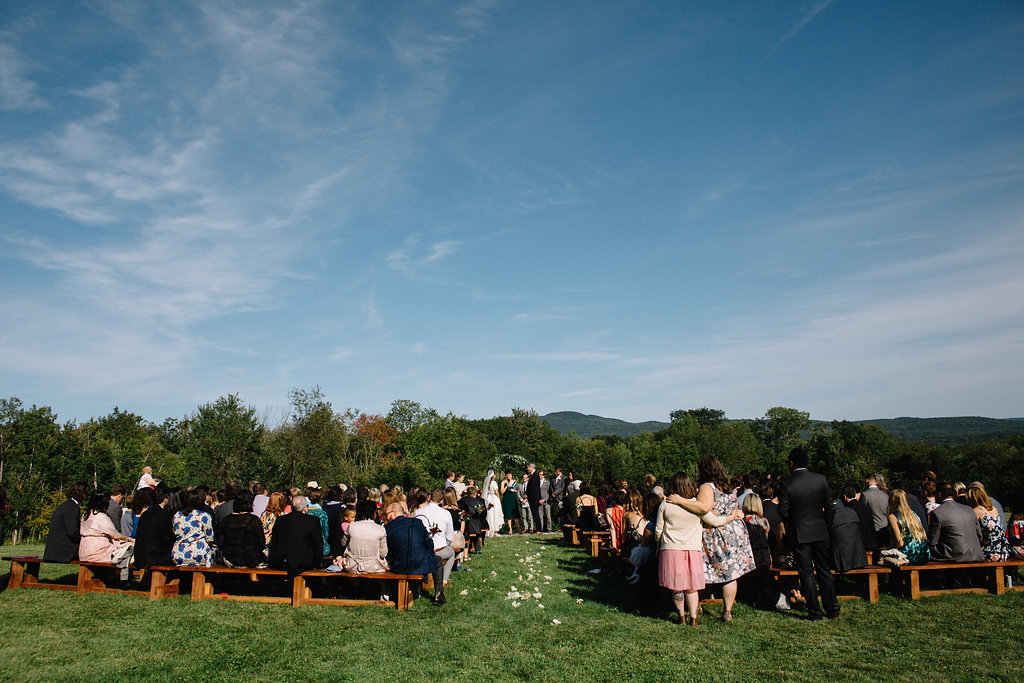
(494,631)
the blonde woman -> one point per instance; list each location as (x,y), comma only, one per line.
(905,530)
(993,529)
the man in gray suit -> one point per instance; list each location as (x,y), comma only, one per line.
(544,523)
(954,532)
(877,502)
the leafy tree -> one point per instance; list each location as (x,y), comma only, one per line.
(779,431)
(847,451)
(373,438)
(225,439)
(315,443)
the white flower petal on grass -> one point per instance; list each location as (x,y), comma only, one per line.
(540,606)
(493,573)
(464,592)
(547,578)
(564,590)
(516,604)
(538,596)
(556,622)
(579,601)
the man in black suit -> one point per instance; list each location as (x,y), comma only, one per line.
(807,509)
(65,526)
(847,542)
(154,536)
(851,499)
(297,543)
(533,495)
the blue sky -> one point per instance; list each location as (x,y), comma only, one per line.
(619,208)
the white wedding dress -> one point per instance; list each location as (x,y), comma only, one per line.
(495,518)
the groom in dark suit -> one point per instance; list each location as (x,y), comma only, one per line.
(62,541)
(807,509)
(533,495)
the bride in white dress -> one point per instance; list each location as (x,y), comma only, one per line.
(495,518)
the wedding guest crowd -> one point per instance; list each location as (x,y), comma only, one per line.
(714,533)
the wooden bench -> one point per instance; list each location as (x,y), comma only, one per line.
(866,575)
(25,574)
(105,577)
(300,593)
(569,534)
(994,576)
(593,540)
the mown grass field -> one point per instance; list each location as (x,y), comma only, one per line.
(603,634)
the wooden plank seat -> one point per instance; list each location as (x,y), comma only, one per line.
(299,594)
(866,578)
(592,540)
(613,560)
(105,577)
(25,574)
(399,594)
(993,577)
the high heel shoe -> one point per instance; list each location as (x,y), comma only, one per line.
(693,621)
(726,616)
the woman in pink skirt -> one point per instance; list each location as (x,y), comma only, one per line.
(681,555)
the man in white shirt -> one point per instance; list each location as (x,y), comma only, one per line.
(438,522)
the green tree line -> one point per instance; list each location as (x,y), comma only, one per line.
(226,440)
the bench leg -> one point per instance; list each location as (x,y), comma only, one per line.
(199,587)
(403,596)
(914,585)
(298,591)
(17,575)
(31,574)
(160,588)
(872,588)
(84,579)
(1000,580)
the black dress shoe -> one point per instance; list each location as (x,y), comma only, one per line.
(438,600)
(814,617)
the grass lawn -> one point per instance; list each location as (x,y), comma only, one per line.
(603,634)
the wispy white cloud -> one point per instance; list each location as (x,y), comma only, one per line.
(573,357)
(804,20)
(411,255)
(17,91)
(538,317)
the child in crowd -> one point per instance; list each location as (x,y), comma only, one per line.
(348,516)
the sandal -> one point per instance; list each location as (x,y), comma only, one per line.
(727,616)
(693,621)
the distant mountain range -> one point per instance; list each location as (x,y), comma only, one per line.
(935,430)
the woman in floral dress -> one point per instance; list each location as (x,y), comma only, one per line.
(993,528)
(193,533)
(727,553)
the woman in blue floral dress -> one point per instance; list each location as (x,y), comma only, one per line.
(193,533)
(993,528)
(727,552)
